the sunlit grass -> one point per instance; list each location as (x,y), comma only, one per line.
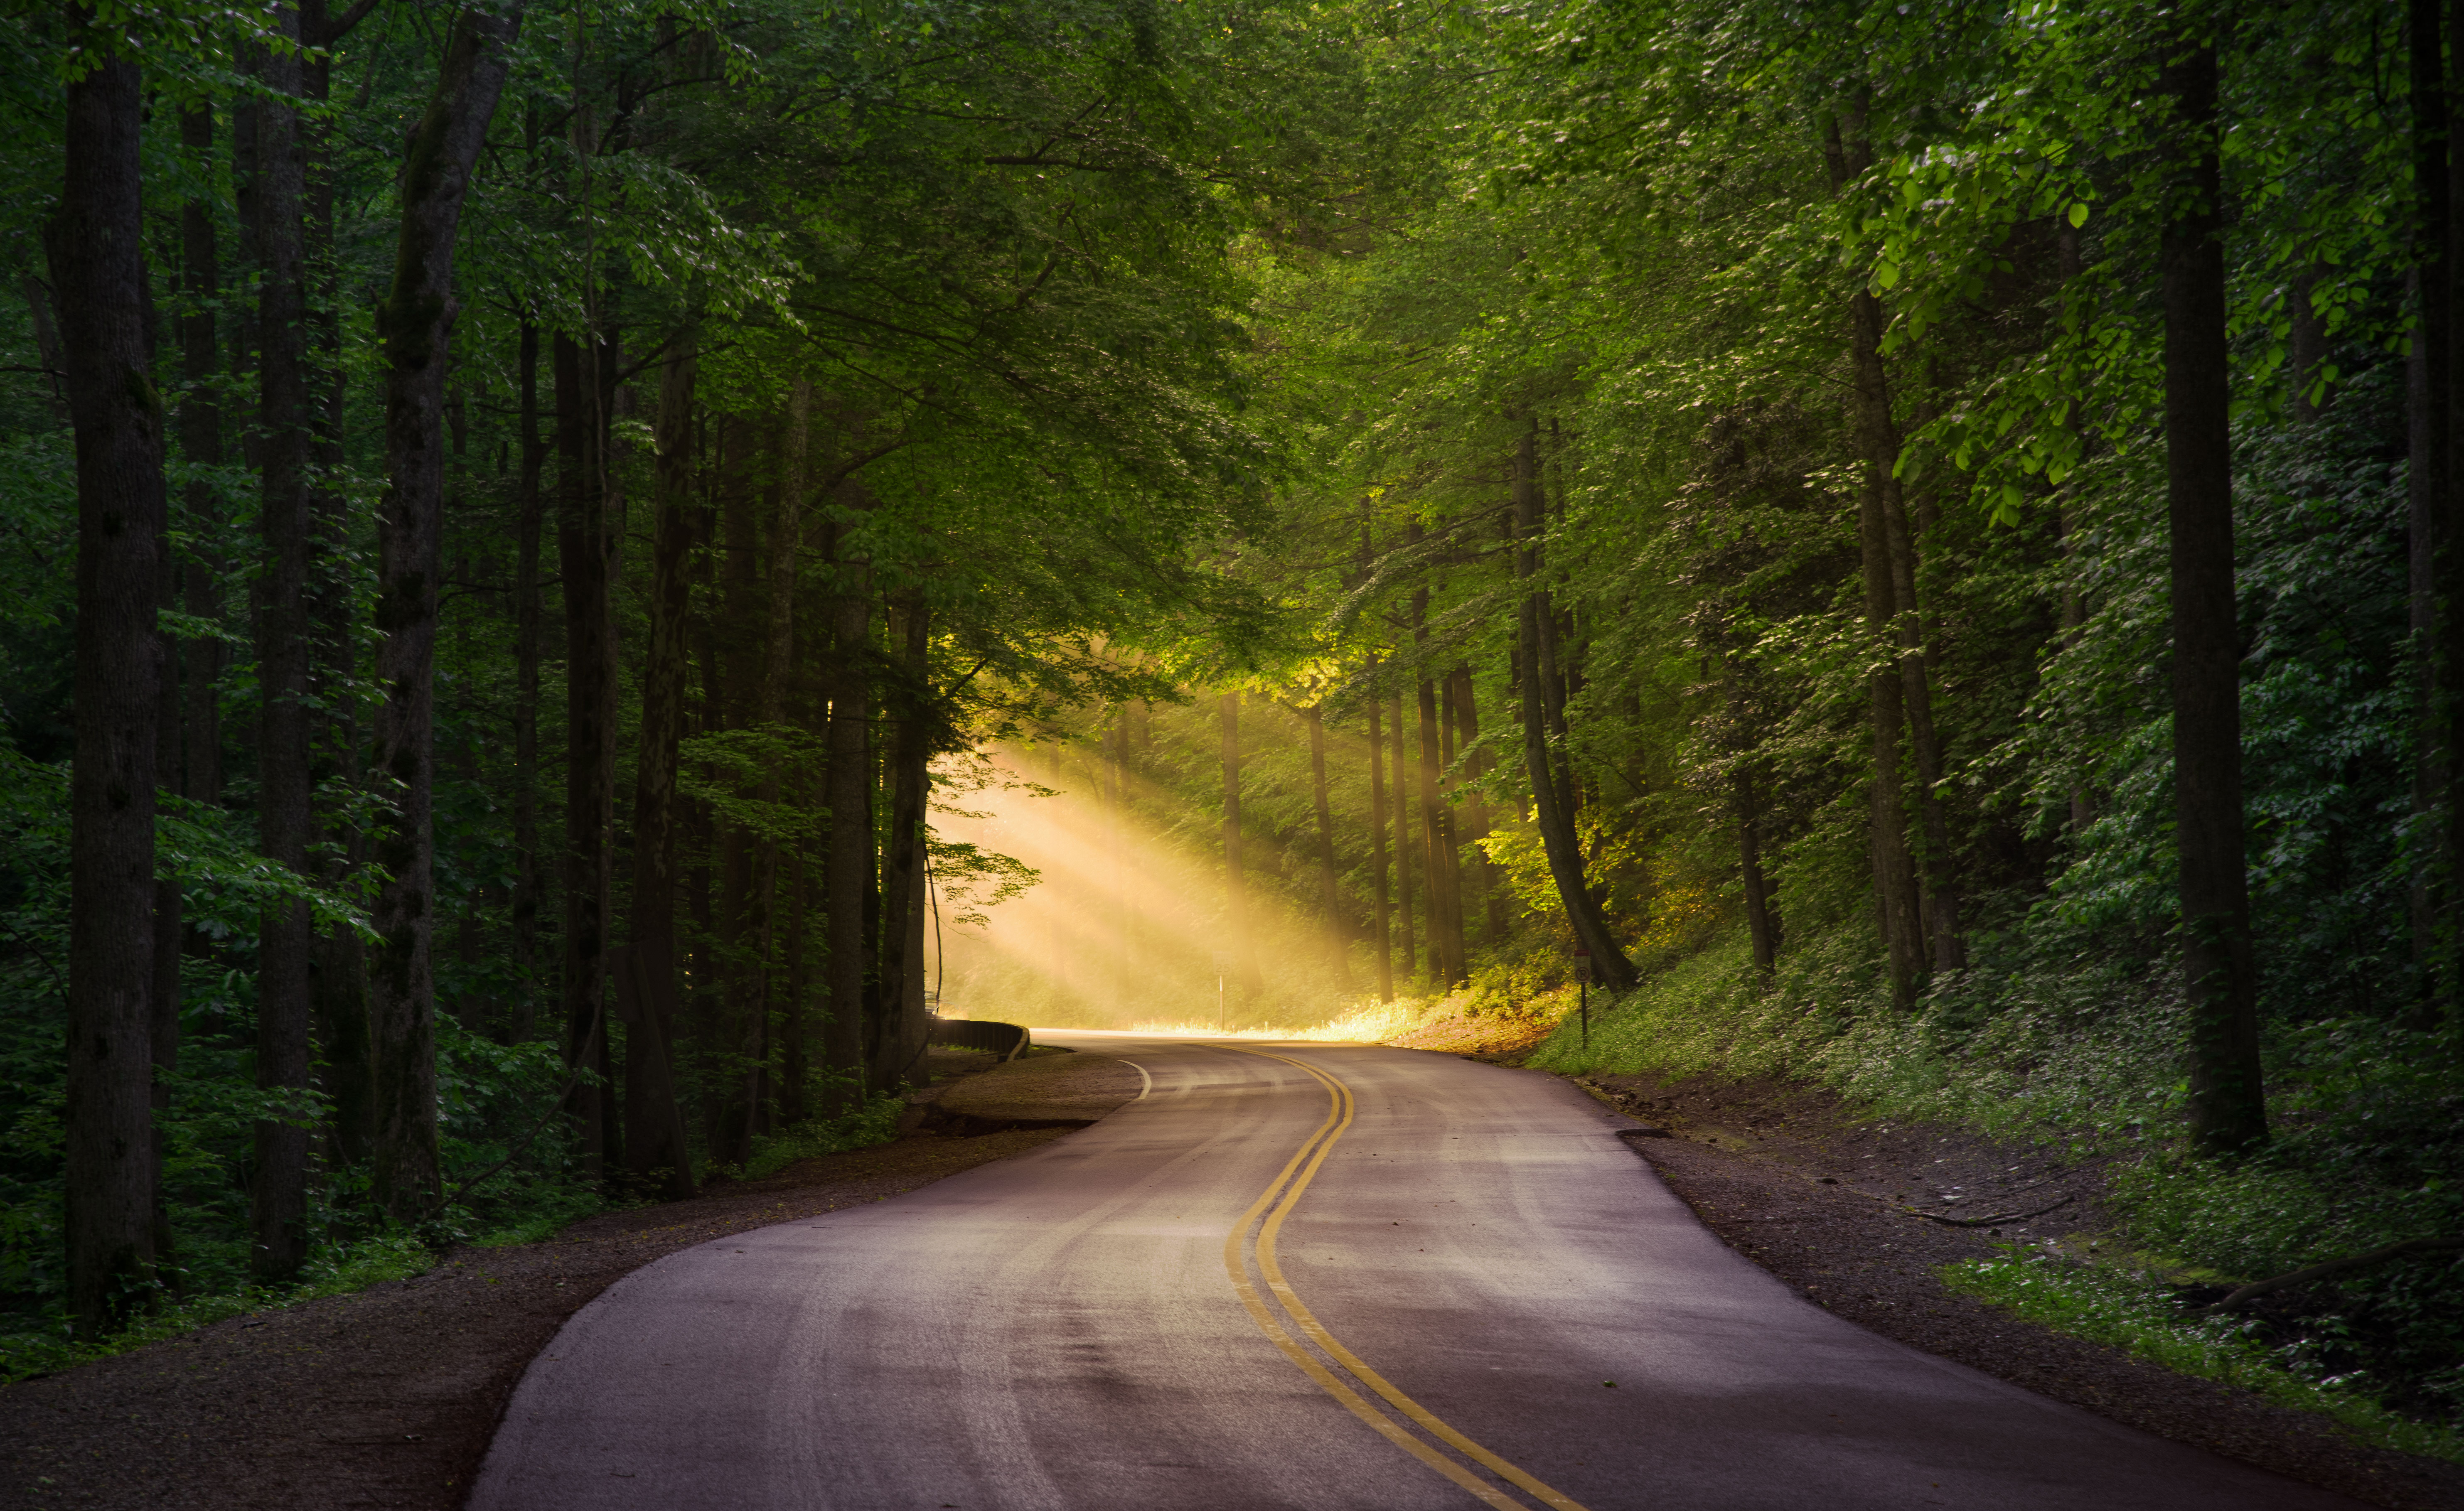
(2139,1315)
(1361,1023)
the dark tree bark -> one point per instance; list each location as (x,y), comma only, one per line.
(1377,859)
(1406,951)
(530,516)
(778,675)
(285,638)
(1551,812)
(583,560)
(201,442)
(902,932)
(1762,921)
(1330,896)
(848,868)
(2429,374)
(416,321)
(1433,838)
(95,241)
(743,964)
(1896,697)
(2447,994)
(1236,897)
(656,1150)
(2228,1104)
(1466,706)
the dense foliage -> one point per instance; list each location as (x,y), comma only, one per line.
(1681,479)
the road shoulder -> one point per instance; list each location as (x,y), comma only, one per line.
(1789,1178)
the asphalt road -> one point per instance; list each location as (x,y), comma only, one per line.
(1290,1275)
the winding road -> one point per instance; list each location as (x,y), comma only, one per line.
(1287,1275)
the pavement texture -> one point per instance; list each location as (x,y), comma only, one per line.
(1287,1275)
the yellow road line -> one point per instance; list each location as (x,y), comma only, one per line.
(1314,1151)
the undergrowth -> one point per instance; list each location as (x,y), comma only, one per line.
(2055,1037)
(2144,1317)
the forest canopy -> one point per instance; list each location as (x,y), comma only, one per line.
(1910,547)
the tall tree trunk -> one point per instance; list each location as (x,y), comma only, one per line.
(848,868)
(278,1196)
(1551,812)
(655,1147)
(201,442)
(2429,378)
(1432,836)
(95,241)
(1762,921)
(2073,592)
(1898,700)
(1330,896)
(1476,820)
(740,645)
(1406,949)
(589,800)
(1236,897)
(416,321)
(1378,857)
(2228,1105)
(2447,994)
(777,672)
(902,938)
(529,518)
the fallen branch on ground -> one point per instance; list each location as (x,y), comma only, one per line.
(2319,1272)
(1985,1222)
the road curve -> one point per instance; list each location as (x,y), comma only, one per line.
(1288,1275)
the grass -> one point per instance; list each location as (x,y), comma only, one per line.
(371,1261)
(2139,1315)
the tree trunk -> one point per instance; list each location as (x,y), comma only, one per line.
(848,868)
(1476,822)
(416,321)
(1378,858)
(201,442)
(1433,836)
(2429,377)
(739,646)
(1551,812)
(1330,897)
(95,242)
(777,670)
(902,942)
(656,1149)
(1236,897)
(530,516)
(1761,923)
(2228,1105)
(1406,949)
(279,1196)
(582,560)
(1896,686)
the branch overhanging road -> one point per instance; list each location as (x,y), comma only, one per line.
(1287,1275)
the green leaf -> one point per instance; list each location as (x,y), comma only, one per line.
(2078,216)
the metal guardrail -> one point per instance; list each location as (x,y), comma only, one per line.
(1005,1039)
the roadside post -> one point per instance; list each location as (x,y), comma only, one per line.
(1583,989)
(1222,968)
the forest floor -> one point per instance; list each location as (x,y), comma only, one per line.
(388,1397)
(1805,1184)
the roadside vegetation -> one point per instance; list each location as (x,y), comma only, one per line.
(1917,550)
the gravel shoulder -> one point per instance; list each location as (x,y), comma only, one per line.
(388,1397)
(1791,1177)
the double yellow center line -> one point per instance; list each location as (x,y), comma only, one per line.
(1290,1183)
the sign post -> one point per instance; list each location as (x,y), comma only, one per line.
(1222,968)
(1583,987)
